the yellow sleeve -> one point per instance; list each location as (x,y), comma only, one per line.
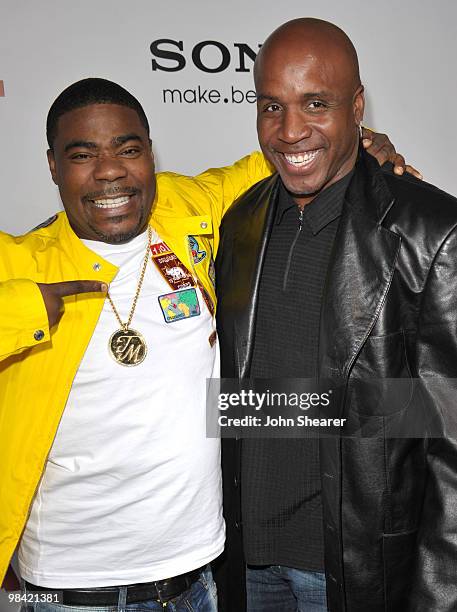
(24,320)
(225,185)
(212,192)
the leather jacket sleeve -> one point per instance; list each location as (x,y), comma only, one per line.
(436,585)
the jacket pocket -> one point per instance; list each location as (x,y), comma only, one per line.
(380,383)
(399,551)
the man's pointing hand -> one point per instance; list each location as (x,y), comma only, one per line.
(53,294)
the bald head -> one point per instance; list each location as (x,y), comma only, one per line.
(312,38)
(309,105)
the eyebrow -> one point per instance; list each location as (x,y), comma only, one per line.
(84,144)
(262,96)
(116,141)
(307,95)
(318,94)
(120,140)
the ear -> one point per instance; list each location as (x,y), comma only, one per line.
(52,164)
(359,105)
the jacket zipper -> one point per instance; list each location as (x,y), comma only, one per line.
(292,247)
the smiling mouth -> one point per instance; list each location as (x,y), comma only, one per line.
(301,160)
(109,203)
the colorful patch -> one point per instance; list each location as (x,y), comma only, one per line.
(173,270)
(179,305)
(198,254)
(212,272)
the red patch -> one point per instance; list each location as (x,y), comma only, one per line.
(159,248)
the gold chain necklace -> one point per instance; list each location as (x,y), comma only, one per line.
(126,345)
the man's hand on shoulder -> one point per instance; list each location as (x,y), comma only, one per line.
(53,294)
(380,147)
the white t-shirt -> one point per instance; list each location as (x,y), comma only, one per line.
(132,487)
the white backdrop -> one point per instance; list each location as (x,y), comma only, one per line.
(407,50)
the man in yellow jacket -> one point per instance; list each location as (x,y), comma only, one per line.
(107,477)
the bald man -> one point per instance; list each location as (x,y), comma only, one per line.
(338,270)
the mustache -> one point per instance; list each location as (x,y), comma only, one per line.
(110,192)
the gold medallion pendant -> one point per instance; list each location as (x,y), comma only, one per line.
(128,347)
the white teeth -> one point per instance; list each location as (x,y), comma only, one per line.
(301,159)
(111,202)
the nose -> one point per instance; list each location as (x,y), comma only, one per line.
(294,126)
(109,168)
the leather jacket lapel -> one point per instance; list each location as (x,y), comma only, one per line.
(360,271)
(359,275)
(250,243)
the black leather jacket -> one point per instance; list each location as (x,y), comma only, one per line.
(389,311)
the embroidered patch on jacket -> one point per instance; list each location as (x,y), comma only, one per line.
(46,223)
(173,270)
(198,254)
(159,248)
(212,272)
(179,305)
(207,299)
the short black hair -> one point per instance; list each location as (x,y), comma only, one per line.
(87,92)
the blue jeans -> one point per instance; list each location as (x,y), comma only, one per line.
(276,588)
(201,597)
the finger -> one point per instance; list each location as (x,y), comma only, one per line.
(381,155)
(414,172)
(378,142)
(78,286)
(375,141)
(367,135)
(399,164)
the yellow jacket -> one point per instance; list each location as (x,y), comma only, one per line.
(36,375)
